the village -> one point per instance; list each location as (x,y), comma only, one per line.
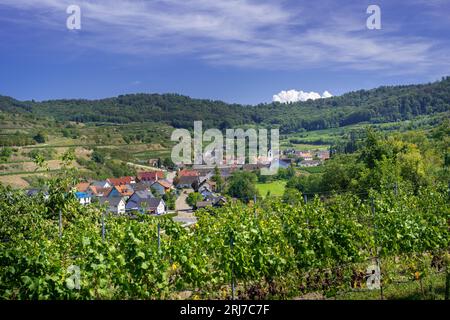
(164,191)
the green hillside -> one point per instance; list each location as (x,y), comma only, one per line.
(384,104)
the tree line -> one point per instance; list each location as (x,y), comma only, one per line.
(383,104)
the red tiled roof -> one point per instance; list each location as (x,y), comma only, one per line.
(120,181)
(124,190)
(82,186)
(150,175)
(96,191)
(189,173)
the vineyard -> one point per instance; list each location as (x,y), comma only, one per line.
(270,250)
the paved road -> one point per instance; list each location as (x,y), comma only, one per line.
(185,213)
(180,203)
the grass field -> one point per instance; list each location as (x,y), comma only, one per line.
(276,188)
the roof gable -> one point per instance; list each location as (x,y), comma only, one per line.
(166,184)
(82,186)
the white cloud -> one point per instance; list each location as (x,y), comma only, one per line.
(326,94)
(291,96)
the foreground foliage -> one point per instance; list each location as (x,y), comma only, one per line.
(292,248)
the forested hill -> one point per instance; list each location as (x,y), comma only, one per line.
(377,105)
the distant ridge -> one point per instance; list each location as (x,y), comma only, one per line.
(383,104)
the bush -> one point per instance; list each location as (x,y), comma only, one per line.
(98,157)
(40,138)
(5,154)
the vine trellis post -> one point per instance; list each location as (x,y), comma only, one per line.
(377,250)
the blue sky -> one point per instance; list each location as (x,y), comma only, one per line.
(241,51)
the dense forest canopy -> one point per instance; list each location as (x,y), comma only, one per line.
(387,103)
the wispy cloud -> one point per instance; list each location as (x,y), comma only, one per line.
(280,35)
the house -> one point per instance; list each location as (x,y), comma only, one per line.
(206,172)
(101,184)
(211,201)
(124,191)
(83,197)
(188,173)
(99,191)
(209,185)
(136,198)
(140,186)
(37,192)
(156,206)
(306,155)
(150,176)
(161,187)
(323,155)
(205,190)
(186,182)
(310,163)
(115,205)
(82,186)
(215,198)
(145,202)
(121,181)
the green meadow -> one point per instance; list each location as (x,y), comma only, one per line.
(276,188)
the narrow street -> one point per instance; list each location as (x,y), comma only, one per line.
(180,203)
(185,213)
